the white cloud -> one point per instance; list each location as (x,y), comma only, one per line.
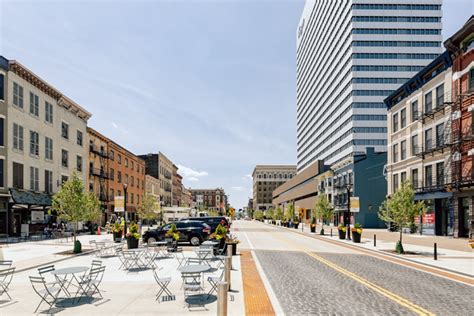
(247,177)
(191,174)
(237,188)
(114,125)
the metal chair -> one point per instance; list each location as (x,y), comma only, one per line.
(92,281)
(213,281)
(123,259)
(5,264)
(181,259)
(163,284)
(48,293)
(6,276)
(96,263)
(191,284)
(43,271)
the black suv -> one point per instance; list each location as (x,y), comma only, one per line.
(212,221)
(194,232)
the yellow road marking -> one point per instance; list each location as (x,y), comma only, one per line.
(394,297)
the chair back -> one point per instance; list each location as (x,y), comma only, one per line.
(193,261)
(6,276)
(46,269)
(97,273)
(5,264)
(96,263)
(39,284)
(191,278)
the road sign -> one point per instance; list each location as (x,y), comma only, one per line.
(119,203)
(355,204)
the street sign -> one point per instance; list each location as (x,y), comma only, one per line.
(355,204)
(119,203)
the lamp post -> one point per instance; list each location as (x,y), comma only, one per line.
(348,214)
(125,186)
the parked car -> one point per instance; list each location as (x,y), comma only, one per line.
(212,221)
(194,232)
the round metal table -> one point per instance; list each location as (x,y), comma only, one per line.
(194,268)
(69,271)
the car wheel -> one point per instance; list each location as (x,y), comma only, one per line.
(151,240)
(195,241)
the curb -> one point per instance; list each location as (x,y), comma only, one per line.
(421,264)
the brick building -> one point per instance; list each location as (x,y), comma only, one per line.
(210,199)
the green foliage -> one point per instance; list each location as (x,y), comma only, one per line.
(279,214)
(73,204)
(271,214)
(323,209)
(173,232)
(357,226)
(118,227)
(401,208)
(258,215)
(133,231)
(290,212)
(213,213)
(148,208)
(220,233)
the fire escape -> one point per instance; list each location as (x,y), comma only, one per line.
(100,173)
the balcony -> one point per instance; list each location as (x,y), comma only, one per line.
(98,151)
(431,147)
(430,184)
(97,172)
(432,110)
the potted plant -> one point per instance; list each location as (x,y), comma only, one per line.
(173,234)
(296,223)
(117,231)
(342,231)
(356,232)
(133,236)
(232,240)
(219,235)
(313,224)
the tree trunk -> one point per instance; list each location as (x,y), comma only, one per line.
(74,229)
(400,227)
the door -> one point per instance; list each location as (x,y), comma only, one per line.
(16,224)
(463,215)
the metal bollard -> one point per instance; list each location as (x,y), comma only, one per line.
(435,251)
(331,232)
(228,263)
(230,249)
(375,240)
(222,299)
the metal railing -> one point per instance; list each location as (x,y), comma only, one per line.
(98,173)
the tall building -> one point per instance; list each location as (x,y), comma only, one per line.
(267,178)
(43,136)
(161,168)
(351,54)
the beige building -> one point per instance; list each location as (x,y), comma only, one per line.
(186,197)
(267,178)
(161,168)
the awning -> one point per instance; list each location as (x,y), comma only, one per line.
(432,195)
(30,197)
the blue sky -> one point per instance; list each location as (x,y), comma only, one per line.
(209,83)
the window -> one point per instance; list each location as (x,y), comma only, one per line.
(79,163)
(119,159)
(111,174)
(17,95)
(395,182)
(126,162)
(126,178)
(64,158)
(48,181)
(395,153)
(17,136)
(65,130)
(471,78)
(79,138)
(439,95)
(395,122)
(131,198)
(119,193)
(63,179)
(112,155)
(48,112)
(34,104)
(428,139)
(440,173)
(414,178)
(34,179)
(34,143)
(132,181)
(2,140)
(131,162)
(112,194)
(428,176)
(440,135)
(403,150)
(119,177)
(48,148)
(403,118)
(428,102)
(403,177)
(414,111)
(414,145)
(2,173)
(2,87)
(17,175)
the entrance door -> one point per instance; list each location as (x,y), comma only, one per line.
(463,217)
(16,224)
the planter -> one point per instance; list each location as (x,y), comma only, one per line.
(234,247)
(313,229)
(117,235)
(321,232)
(342,234)
(296,225)
(132,242)
(77,247)
(356,237)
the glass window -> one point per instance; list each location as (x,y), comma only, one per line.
(414,145)
(440,173)
(414,111)
(2,87)
(428,176)
(2,173)
(403,150)
(440,135)
(2,140)
(395,153)
(79,163)
(414,178)
(126,162)
(65,130)
(18,175)
(395,182)
(79,138)
(64,158)
(119,160)
(17,95)
(119,177)
(403,177)
(34,143)
(34,179)
(395,122)
(403,118)
(471,78)
(428,102)
(34,104)
(428,139)
(17,136)
(111,174)
(48,112)
(440,95)
(48,145)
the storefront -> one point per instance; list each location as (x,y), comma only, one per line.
(439,218)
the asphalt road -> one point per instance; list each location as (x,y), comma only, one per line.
(313,277)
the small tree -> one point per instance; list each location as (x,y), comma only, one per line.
(74,205)
(290,209)
(250,212)
(323,210)
(401,209)
(258,215)
(279,214)
(270,213)
(147,210)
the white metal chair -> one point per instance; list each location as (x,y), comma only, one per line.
(6,276)
(213,281)
(163,284)
(92,281)
(48,293)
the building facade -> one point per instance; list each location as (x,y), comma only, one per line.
(161,168)
(210,199)
(126,178)
(266,178)
(187,197)
(419,139)
(45,142)
(350,56)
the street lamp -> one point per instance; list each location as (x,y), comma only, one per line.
(348,213)
(125,186)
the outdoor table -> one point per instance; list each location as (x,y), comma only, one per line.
(136,258)
(69,271)
(195,268)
